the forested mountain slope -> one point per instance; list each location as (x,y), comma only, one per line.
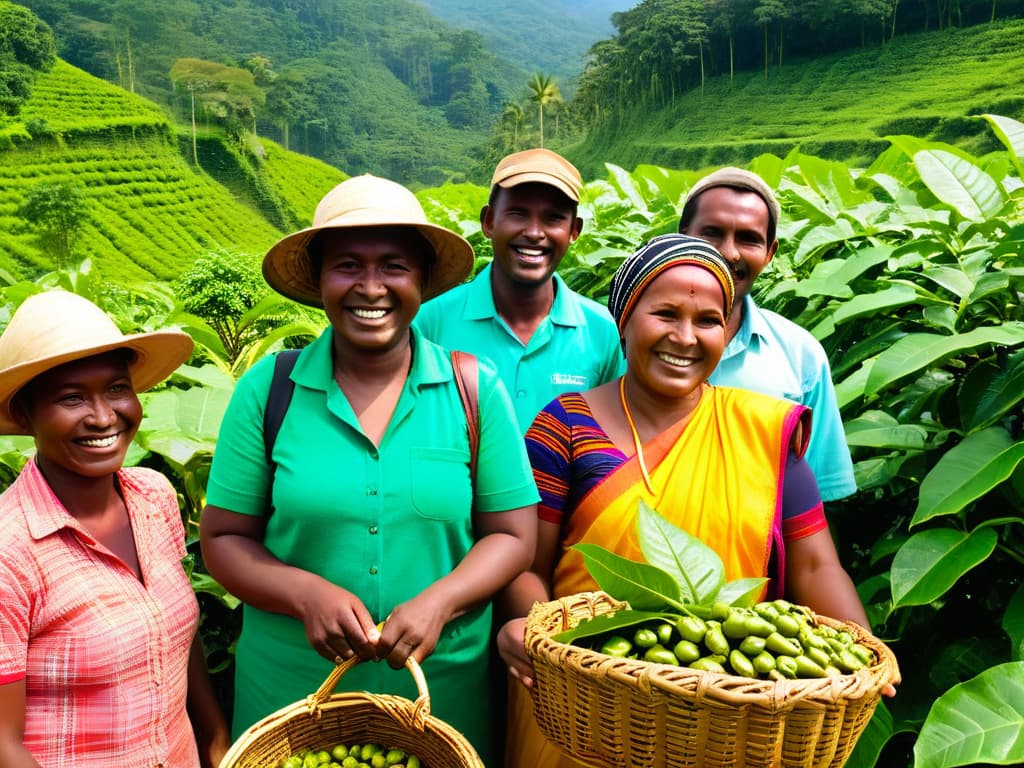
(550,36)
(378,86)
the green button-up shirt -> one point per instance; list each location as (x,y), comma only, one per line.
(383,522)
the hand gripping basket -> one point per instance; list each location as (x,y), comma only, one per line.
(607,711)
(326,718)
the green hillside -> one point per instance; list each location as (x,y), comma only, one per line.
(839,106)
(151,211)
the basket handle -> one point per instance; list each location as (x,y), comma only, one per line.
(421,709)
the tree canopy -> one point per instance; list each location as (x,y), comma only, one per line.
(26,45)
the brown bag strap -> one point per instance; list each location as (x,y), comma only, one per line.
(467,380)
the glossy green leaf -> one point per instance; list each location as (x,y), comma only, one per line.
(695,567)
(931,562)
(742,592)
(941,318)
(916,351)
(607,622)
(867,304)
(960,183)
(877,429)
(851,387)
(990,391)
(966,472)
(1011,133)
(643,586)
(953,280)
(1013,624)
(979,721)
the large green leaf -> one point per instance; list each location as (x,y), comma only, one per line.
(960,183)
(838,231)
(877,429)
(967,472)
(919,350)
(979,721)
(743,592)
(953,280)
(643,586)
(851,387)
(868,304)
(696,568)
(930,562)
(609,622)
(1011,133)
(991,390)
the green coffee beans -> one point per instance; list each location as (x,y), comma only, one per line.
(771,640)
(369,755)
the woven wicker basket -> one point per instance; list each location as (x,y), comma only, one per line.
(325,718)
(606,711)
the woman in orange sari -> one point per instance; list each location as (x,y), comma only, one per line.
(726,465)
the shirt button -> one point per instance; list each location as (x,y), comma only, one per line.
(521,393)
(371,491)
(373,529)
(373,570)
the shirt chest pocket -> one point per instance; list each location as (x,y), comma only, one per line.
(439,483)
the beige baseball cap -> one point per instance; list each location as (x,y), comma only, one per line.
(539,165)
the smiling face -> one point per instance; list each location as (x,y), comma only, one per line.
(371,284)
(83,415)
(675,335)
(735,222)
(530,226)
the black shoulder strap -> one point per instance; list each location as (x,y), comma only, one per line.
(278,398)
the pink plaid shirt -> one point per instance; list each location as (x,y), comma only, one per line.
(104,656)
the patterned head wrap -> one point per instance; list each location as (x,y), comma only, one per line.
(654,257)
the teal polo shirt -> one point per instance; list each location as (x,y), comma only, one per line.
(775,356)
(575,348)
(383,522)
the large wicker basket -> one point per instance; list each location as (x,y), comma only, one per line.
(606,711)
(325,718)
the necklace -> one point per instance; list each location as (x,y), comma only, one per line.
(636,437)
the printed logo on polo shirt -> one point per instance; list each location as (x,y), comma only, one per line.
(568,380)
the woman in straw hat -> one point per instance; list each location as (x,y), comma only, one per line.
(99,653)
(724,464)
(371,511)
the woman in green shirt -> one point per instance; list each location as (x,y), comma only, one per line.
(375,513)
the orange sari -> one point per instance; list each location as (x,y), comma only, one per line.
(717,475)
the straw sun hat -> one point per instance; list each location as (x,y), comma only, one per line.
(365,201)
(57,327)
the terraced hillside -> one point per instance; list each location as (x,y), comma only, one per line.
(151,212)
(840,106)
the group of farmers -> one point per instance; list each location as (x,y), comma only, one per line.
(413,503)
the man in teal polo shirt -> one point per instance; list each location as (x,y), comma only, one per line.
(543,338)
(736,211)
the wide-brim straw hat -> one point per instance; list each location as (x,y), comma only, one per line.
(365,201)
(57,327)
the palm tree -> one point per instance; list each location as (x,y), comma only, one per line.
(544,91)
(512,116)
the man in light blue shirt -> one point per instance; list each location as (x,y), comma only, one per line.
(736,211)
(543,338)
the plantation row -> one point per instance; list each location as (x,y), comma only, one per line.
(68,98)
